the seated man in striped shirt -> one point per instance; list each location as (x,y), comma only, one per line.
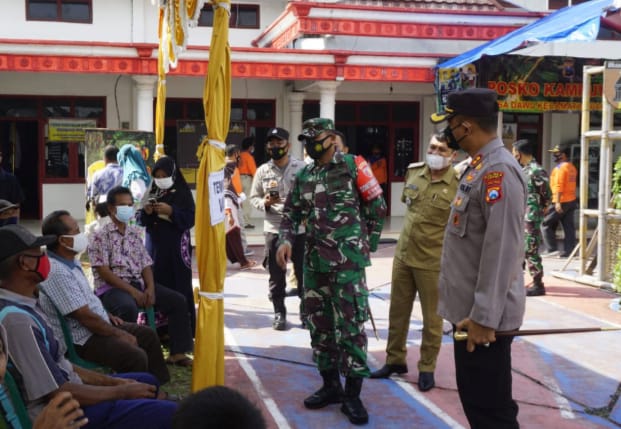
(136,348)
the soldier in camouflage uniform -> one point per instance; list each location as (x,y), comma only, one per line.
(344,219)
(537,199)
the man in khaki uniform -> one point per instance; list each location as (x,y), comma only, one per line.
(429,189)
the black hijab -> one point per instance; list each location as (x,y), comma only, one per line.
(179,194)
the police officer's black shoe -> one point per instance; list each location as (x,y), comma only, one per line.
(426,381)
(352,406)
(330,393)
(280,322)
(536,290)
(388,369)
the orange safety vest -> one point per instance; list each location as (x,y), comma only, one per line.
(563,181)
(380,170)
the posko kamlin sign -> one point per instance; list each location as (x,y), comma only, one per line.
(536,97)
(539,84)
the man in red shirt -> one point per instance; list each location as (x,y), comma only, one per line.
(563,185)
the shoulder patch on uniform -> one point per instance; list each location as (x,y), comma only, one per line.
(493,186)
(493,178)
(416,164)
(493,194)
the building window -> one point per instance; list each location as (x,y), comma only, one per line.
(60,10)
(392,126)
(248,117)
(242,16)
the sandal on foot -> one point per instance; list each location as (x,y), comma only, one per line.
(251,264)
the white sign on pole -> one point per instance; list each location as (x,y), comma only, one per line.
(216,197)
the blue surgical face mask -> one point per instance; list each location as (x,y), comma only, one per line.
(124,213)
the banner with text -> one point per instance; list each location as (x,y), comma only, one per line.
(539,84)
(68,130)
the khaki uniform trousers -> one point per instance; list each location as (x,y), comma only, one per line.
(246,206)
(406,283)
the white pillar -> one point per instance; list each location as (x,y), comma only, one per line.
(296,101)
(143,107)
(327,90)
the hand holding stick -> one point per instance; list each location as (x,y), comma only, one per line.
(463,335)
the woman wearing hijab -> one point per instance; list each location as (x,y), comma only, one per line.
(168,217)
(135,174)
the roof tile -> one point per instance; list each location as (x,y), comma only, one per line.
(432,4)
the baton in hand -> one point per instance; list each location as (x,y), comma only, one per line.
(463,335)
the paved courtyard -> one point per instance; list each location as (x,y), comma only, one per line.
(562,381)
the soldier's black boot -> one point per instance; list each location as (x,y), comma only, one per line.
(537,289)
(352,405)
(330,393)
(280,315)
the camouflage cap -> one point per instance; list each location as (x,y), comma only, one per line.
(313,127)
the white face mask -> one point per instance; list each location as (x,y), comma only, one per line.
(437,162)
(80,242)
(164,182)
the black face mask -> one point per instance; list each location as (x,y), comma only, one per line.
(277,152)
(314,148)
(451,141)
(557,157)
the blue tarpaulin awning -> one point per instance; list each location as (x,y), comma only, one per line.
(579,23)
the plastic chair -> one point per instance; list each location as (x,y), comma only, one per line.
(15,411)
(150,312)
(71,353)
(3,422)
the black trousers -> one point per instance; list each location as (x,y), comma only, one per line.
(566,219)
(278,280)
(484,382)
(122,357)
(171,303)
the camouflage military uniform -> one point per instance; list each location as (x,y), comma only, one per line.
(537,199)
(341,230)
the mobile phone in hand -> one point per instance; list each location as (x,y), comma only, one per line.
(274,194)
(152,201)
